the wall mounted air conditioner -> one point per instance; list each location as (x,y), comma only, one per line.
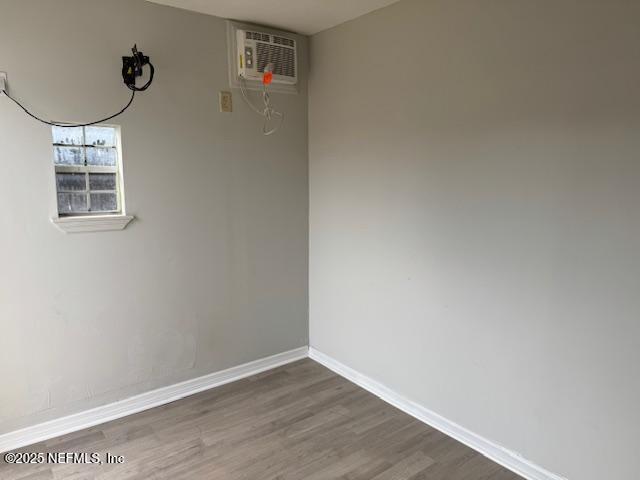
(257,49)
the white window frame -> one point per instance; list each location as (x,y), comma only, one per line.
(93,221)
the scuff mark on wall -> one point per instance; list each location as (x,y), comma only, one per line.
(160,353)
(24,401)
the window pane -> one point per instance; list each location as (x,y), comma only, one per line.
(72,203)
(67,135)
(103,202)
(69,156)
(71,181)
(105,157)
(101,136)
(102,181)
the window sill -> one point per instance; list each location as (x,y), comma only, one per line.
(92,223)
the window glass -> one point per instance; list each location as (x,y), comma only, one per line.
(102,156)
(68,155)
(71,181)
(67,136)
(72,203)
(86,169)
(102,181)
(103,202)
(100,136)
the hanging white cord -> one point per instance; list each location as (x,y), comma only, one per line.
(269,113)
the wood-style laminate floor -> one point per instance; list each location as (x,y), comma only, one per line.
(299,421)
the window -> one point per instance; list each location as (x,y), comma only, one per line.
(88,170)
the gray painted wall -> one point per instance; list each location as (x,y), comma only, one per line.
(474,215)
(213,273)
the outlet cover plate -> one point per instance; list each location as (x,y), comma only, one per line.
(226,102)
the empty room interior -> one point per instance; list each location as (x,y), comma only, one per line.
(320,239)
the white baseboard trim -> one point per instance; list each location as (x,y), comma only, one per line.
(508,459)
(155,398)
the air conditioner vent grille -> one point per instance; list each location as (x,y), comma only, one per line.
(264,37)
(283,41)
(283,59)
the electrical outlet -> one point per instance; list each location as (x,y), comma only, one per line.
(3,82)
(226,102)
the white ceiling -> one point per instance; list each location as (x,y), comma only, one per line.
(301,16)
